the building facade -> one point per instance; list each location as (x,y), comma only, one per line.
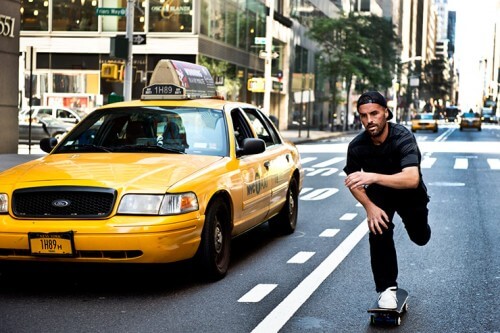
(9,58)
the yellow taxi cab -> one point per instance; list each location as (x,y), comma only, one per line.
(470,120)
(424,121)
(173,176)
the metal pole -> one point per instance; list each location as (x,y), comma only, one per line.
(127,82)
(268,58)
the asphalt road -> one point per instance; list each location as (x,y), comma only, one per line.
(316,280)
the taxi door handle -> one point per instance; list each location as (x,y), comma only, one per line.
(266,164)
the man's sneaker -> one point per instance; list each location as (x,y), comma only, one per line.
(388,299)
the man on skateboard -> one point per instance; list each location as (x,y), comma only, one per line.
(383,174)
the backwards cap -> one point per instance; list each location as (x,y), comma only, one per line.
(373,97)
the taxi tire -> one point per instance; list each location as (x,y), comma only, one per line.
(215,246)
(286,221)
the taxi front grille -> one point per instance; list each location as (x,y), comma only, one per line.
(63,202)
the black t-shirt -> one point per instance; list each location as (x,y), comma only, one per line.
(398,151)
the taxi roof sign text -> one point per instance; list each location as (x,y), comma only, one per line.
(172,79)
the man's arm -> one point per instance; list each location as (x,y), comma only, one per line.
(406,179)
(376,217)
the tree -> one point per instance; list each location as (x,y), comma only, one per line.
(355,47)
(435,84)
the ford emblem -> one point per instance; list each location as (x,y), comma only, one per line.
(61,203)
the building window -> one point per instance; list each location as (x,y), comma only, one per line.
(119,23)
(170,16)
(74,15)
(34,15)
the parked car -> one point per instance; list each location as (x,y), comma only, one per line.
(63,114)
(424,121)
(470,120)
(45,127)
(170,177)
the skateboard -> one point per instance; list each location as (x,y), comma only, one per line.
(390,316)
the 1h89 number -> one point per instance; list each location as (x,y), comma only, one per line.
(7,26)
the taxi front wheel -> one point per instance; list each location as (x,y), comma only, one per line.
(286,220)
(214,250)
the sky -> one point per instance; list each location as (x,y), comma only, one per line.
(474,40)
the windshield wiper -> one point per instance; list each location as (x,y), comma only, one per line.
(86,148)
(149,148)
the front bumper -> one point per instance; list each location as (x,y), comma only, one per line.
(112,240)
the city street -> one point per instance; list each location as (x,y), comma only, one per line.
(315,280)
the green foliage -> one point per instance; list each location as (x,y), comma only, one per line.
(357,46)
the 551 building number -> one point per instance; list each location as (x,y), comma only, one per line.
(7,26)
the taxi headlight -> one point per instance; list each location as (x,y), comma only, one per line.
(150,204)
(4,203)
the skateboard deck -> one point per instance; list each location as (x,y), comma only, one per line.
(390,316)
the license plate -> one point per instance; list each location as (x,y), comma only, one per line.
(51,244)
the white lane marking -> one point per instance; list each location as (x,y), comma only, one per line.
(461,163)
(329,162)
(348,216)
(446,134)
(257,293)
(427,162)
(301,257)
(323,171)
(492,147)
(446,184)
(319,194)
(494,163)
(359,204)
(329,233)
(278,317)
(304,160)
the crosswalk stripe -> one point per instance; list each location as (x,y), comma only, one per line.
(494,163)
(461,163)
(427,162)
(348,216)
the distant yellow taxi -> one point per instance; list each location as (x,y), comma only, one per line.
(424,121)
(470,120)
(172,176)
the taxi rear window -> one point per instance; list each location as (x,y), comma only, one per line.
(186,130)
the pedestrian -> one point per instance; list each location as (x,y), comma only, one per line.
(383,174)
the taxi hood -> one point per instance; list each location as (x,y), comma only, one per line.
(153,173)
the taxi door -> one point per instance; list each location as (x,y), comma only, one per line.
(254,177)
(277,160)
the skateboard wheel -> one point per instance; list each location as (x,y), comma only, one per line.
(398,321)
(405,308)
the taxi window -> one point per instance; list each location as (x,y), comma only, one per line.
(262,127)
(199,131)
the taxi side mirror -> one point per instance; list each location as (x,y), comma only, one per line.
(47,144)
(252,146)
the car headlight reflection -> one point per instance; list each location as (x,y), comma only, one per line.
(150,204)
(4,203)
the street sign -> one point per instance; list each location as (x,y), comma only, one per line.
(139,39)
(260,40)
(107,11)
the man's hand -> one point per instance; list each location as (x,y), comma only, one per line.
(378,221)
(359,179)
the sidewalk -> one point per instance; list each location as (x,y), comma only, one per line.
(24,155)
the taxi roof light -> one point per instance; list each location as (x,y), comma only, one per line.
(172,79)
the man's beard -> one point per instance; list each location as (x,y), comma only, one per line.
(375,130)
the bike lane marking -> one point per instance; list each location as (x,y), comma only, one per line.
(280,315)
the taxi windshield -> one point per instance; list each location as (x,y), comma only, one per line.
(173,130)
